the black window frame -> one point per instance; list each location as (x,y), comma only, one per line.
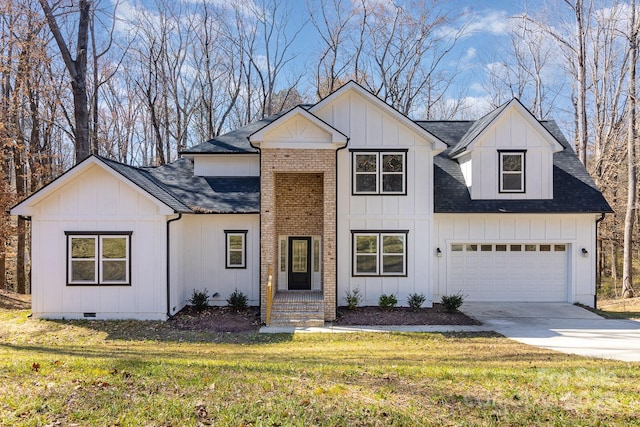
(69,235)
(523,180)
(379,173)
(379,254)
(227,234)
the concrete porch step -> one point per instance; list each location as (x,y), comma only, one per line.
(297,309)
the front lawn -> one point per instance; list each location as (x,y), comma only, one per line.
(149,374)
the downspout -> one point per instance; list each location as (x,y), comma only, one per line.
(169,221)
(259,228)
(336,236)
(595,295)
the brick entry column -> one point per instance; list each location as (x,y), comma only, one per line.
(312,168)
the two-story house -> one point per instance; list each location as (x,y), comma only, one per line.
(317,201)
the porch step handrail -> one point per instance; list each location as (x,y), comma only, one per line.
(270,293)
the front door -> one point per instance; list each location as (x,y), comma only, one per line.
(299,263)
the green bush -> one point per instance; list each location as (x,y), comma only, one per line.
(415,301)
(238,300)
(387,302)
(353,298)
(199,299)
(452,302)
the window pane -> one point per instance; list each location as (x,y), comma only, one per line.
(516,248)
(472,248)
(501,248)
(393,264)
(392,163)
(83,247)
(299,252)
(235,258)
(83,271)
(114,271)
(392,244)
(512,162)
(545,248)
(316,255)
(559,248)
(366,162)
(114,247)
(235,241)
(486,248)
(512,181)
(392,183)
(366,183)
(366,244)
(456,248)
(283,255)
(530,248)
(367,264)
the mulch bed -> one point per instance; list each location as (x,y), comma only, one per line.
(437,315)
(226,319)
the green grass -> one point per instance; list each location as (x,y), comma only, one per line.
(146,373)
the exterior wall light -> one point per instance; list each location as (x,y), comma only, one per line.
(585,252)
(438,253)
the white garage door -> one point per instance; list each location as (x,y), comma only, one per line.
(509,272)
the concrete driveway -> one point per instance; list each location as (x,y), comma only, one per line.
(562,327)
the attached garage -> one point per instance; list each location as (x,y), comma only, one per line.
(528,272)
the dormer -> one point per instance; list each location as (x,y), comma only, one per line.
(507,154)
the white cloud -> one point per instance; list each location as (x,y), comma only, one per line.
(470,54)
(494,22)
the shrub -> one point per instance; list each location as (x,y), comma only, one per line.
(199,299)
(353,298)
(452,302)
(415,301)
(387,302)
(238,300)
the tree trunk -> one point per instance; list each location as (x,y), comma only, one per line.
(627,266)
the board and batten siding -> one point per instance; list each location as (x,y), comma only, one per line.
(226,165)
(202,257)
(510,132)
(96,200)
(370,126)
(577,231)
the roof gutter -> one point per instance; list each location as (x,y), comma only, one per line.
(598,221)
(169,221)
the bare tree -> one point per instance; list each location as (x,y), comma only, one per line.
(77,69)
(632,133)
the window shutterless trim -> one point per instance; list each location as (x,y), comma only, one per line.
(98,259)
(523,180)
(227,234)
(379,173)
(379,252)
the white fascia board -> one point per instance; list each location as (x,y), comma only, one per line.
(438,145)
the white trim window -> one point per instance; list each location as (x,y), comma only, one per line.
(380,253)
(236,248)
(98,258)
(379,172)
(512,171)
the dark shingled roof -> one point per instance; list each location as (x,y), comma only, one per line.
(573,188)
(209,194)
(236,141)
(145,180)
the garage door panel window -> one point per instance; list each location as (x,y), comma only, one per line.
(529,247)
(98,258)
(380,253)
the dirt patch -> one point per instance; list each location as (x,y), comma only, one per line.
(402,316)
(13,301)
(217,319)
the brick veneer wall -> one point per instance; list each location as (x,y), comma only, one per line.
(303,183)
